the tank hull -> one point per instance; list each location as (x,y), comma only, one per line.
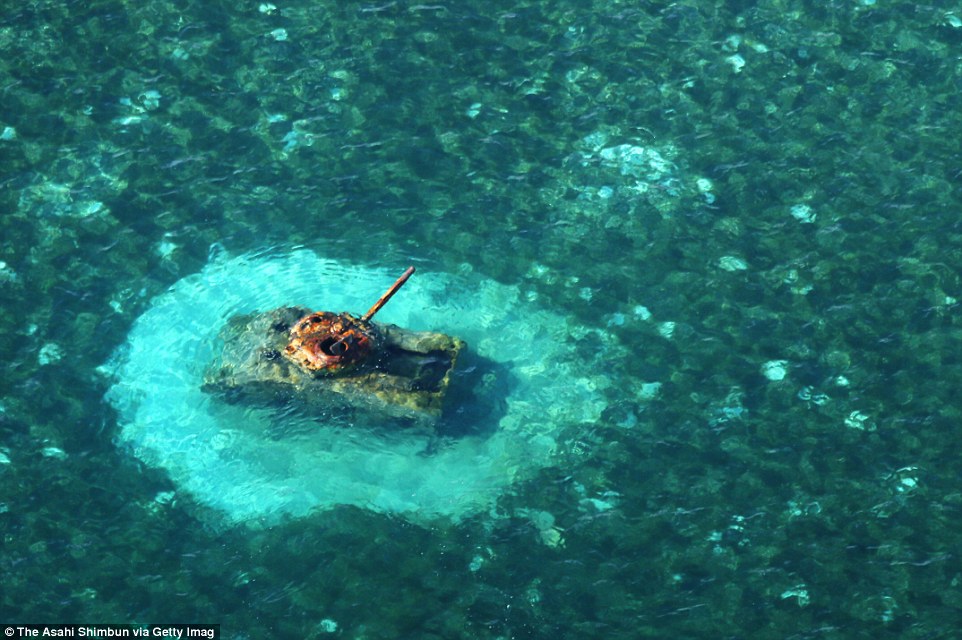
(406,378)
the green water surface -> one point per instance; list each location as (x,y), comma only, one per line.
(758,201)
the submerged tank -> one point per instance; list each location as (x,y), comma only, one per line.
(323,362)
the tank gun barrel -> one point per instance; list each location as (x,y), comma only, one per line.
(387,295)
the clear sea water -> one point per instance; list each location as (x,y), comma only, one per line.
(706,253)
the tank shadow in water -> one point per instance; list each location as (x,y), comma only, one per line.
(476,397)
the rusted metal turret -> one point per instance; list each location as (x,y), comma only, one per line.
(332,343)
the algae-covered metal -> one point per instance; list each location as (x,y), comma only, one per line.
(323,361)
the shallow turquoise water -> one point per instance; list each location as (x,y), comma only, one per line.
(258,466)
(712,247)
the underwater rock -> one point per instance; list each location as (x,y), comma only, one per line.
(407,378)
